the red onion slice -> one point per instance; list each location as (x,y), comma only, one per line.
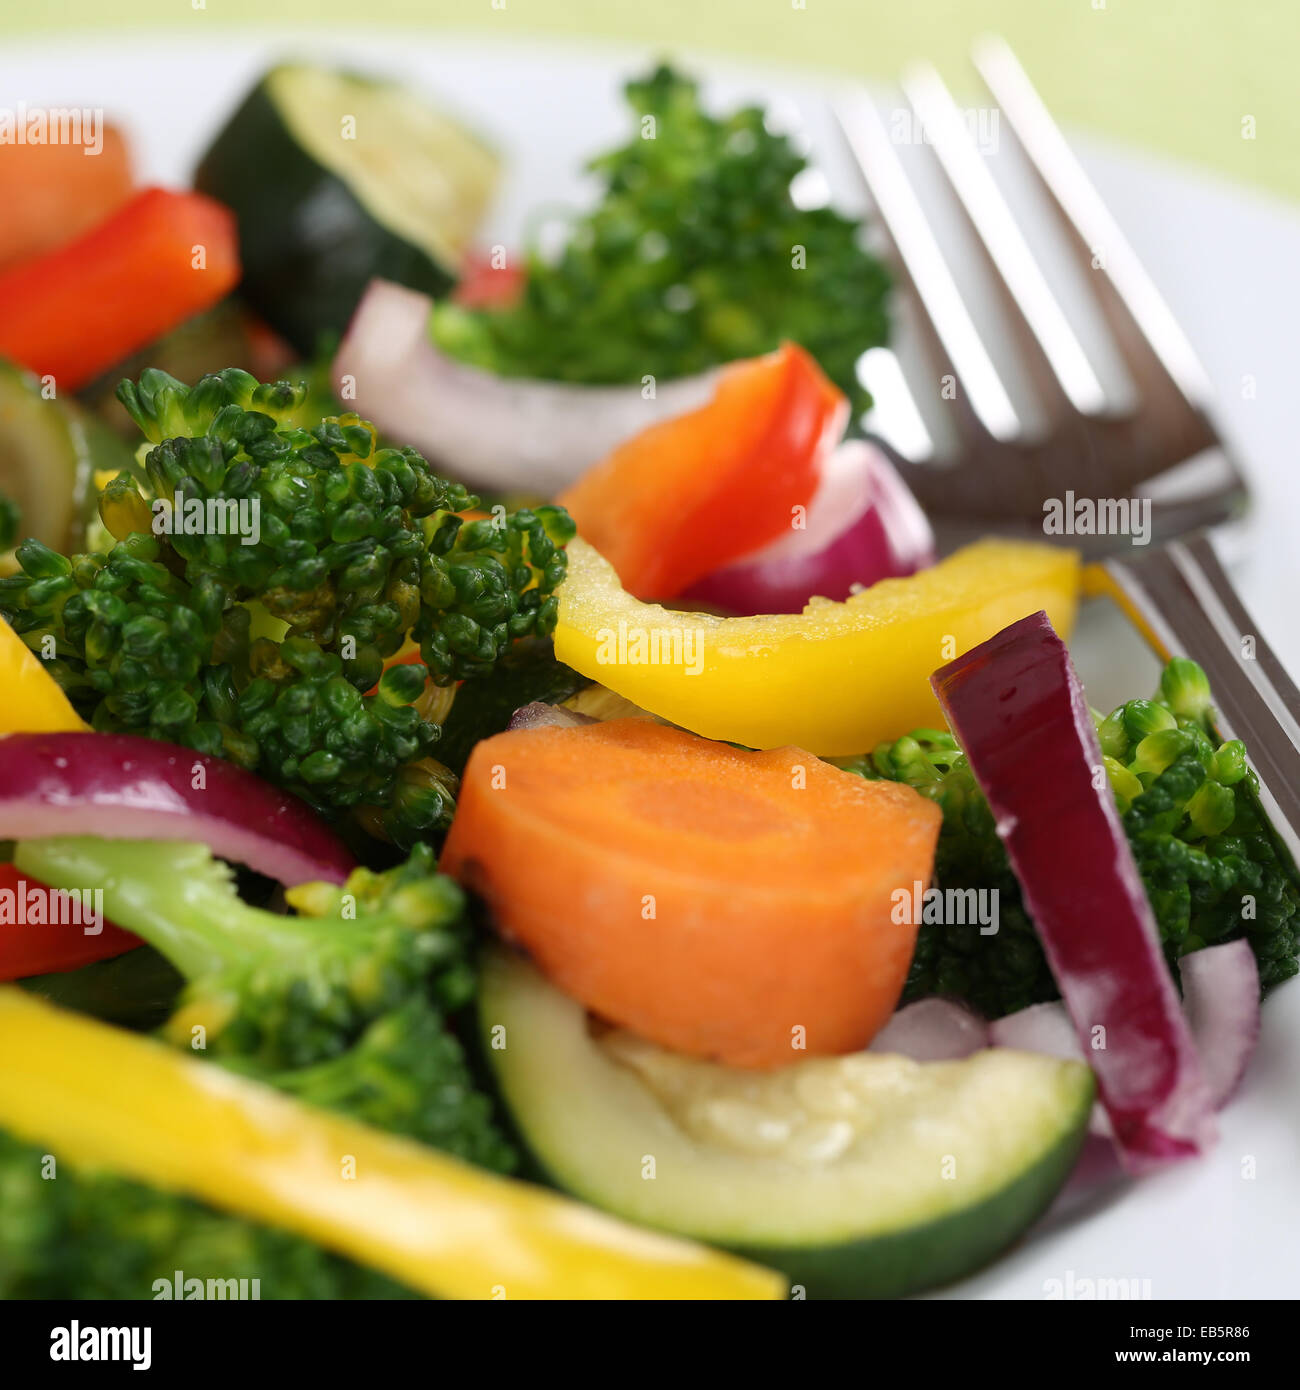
(863,525)
(933,1030)
(1019,712)
(1221,999)
(124,787)
(502,432)
(1046,1028)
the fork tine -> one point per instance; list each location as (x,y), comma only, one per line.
(1079,204)
(894,416)
(1185,605)
(1002,239)
(938,296)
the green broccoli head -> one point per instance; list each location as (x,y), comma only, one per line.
(261,579)
(73,1233)
(488,584)
(698,253)
(279,990)
(329,538)
(407,1074)
(1210,866)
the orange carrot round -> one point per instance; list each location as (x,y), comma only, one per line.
(731,905)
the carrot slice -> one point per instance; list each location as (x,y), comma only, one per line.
(689,495)
(74,312)
(51,194)
(731,905)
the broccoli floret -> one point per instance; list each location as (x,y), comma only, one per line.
(406,1074)
(996,974)
(344,1007)
(1209,864)
(280,989)
(345,1004)
(696,254)
(71,1233)
(256,635)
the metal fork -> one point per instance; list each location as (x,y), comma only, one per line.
(1177,594)
(1165,447)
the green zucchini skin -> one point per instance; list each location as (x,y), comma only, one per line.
(886,1266)
(307,245)
(50,450)
(876,1264)
(927,1257)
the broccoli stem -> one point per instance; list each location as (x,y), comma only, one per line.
(175,895)
(281,990)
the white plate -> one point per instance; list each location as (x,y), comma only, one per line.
(1222,1227)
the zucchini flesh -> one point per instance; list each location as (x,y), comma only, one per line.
(859,1176)
(414,170)
(336,179)
(50,451)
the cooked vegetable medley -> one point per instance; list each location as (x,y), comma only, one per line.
(696,254)
(263,652)
(1192,820)
(500,868)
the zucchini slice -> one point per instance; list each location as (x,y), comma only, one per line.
(50,452)
(335,178)
(860,1176)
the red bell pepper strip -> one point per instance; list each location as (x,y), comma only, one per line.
(483,285)
(692,494)
(37,948)
(160,259)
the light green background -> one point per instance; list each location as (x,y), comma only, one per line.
(1180,77)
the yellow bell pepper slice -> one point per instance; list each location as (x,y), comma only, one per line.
(31,701)
(835,679)
(101,1097)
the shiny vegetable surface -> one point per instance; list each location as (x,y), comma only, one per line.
(507,433)
(725,903)
(697,254)
(1205,885)
(862,526)
(686,496)
(98,1097)
(33,699)
(75,311)
(121,786)
(1018,708)
(39,933)
(252,633)
(55,191)
(858,1176)
(835,679)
